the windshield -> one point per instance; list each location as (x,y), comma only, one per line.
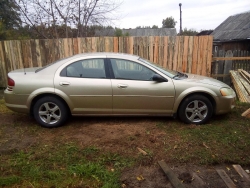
(168,72)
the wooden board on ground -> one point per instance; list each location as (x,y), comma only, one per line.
(241,172)
(170,174)
(226,178)
(246,113)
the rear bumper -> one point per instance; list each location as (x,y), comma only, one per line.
(16,103)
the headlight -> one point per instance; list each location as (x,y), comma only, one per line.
(226,91)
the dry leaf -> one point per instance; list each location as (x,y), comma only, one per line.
(142,151)
(140,178)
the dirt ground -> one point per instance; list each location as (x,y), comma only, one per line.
(119,135)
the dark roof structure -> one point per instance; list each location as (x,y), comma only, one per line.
(234,28)
(205,32)
(139,32)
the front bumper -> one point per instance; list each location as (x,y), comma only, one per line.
(225,104)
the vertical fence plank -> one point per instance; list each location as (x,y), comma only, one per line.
(94,44)
(3,72)
(209,55)
(75,46)
(161,50)
(175,55)
(151,48)
(171,45)
(190,54)
(156,49)
(165,51)
(130,45)
(200,54)
(135,48)
(204,56)
(116,44)
(185,54)
(195,55)
(27,57)
(145,48)
(180,54)
(121,50)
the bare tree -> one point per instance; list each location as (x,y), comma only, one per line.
(47,17)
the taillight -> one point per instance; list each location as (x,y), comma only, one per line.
(11,82)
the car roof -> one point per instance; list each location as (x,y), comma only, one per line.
(108,55)
(52,67)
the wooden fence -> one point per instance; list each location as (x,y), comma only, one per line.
(191,54)
(224,61)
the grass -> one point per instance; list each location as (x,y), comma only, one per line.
(49,165)
(226,140)
(67,164)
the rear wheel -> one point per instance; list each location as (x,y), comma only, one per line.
(50,112)
(195,109)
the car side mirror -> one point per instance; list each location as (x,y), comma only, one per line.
(158,78)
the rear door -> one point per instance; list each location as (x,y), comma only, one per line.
(85,86)
(134,92)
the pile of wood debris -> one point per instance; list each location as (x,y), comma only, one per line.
(241,82)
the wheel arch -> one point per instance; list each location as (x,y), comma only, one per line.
(205,94)
(35,99)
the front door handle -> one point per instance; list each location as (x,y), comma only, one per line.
(122,86)
(64,83)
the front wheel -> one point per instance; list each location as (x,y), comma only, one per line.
(50,112)
(195,109)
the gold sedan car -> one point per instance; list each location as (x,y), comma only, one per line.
(114,84)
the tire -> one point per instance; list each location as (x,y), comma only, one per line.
(50,112)
(195,109)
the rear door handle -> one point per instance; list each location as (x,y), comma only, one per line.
(122,86)
(64,83)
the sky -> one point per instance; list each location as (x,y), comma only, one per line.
(196,14)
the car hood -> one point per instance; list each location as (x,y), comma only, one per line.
(205,80)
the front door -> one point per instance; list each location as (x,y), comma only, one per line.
(134,92)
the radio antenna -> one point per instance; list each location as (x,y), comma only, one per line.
(24,70)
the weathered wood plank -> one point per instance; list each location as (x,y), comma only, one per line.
(161,50)
(204,56)
(27,57)
(130,45)
(185,54)
(116,45)
(171,43)
(226,178)
(200,56)
(195,55)
(230,58)
(209,55)
(180,54)
(145,48)
(241,172)
(151,48)
(156,49)
(3,72)
(93,44)
(175,55)
(170,174)
(165,51)
(190,54)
